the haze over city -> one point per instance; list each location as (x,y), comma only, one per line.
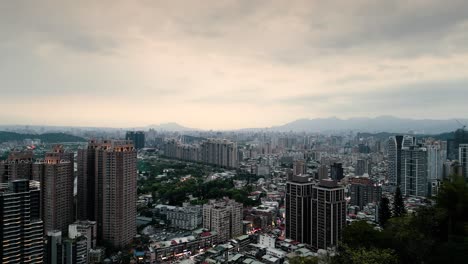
(230,64)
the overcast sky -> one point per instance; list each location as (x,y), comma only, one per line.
(230,64)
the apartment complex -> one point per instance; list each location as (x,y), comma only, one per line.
(364,191)
(17,166)
(224,217)
(415,171)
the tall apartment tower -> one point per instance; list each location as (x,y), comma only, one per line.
(414,170)
(56,174)
(363,166)
(364,191)
(137,137)
(394,146)
(107,177)
(298,209)
(315,212)
(21,227)
(328,214)
(336,171)
(17,166)
(299,167)
(224,217)
(463,158)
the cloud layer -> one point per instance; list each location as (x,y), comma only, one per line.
(230,64)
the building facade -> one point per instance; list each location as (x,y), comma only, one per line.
(21,227)
(364,191)
(415,171)
(224,217)
(394,146)
(107,176)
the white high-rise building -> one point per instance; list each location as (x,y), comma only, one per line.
(436,156)
(224,217)
(394,146)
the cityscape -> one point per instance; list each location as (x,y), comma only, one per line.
(239,132)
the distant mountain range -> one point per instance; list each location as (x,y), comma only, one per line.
(45,138)
(169,127)
(379,124)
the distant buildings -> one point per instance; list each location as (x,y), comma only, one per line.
(107,176)
(21,227)
(315,212)
(216,152)
(336,171)
(460,137)
(299,167)
(188,217)
(224,217)
(364,191)
(414,171)
(137,137)
(17,166)
(363,166)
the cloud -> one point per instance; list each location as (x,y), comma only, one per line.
(219,64)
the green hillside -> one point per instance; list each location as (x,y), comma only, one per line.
(45,138)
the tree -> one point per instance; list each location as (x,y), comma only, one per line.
(398,204)
(366,256)
(304,260)
(354,233)
(384,211)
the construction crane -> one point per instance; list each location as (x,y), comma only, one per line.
(461,124)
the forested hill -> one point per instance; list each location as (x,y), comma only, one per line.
(45,138)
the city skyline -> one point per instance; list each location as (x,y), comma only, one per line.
(230,64)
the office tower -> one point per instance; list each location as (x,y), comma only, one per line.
(21,227)
(54,248)
(298,208)
(218,152)
(137,137)
(299,167)
(414,171)
(394,146)
(460,137)
(463,159)
(322,172)
(360,167)
(224,217)
(56,174)
(436,155)
(107,177)
(17,166)
(328,214)
(336,171)
(364,191)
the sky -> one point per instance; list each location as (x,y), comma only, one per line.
(230,64)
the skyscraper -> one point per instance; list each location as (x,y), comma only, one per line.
(137,137)
(328,214)
(364,191)
(436,155)
(224,217)
(17,166)
(394,146)
(21,227)
(415,171)
(107,176)
(463,158)
(298,208)
(336,171)
(56,174)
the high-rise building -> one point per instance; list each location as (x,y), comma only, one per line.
(322,172)
(336,171)
(364,191)
(328,214)
(17,166)
(394,146)
(54,247)
(415,171)
(315,212)
(224,217)
(218,152)
(463,159)
(298,208)
(137,137)
(299,167)
(63,250)
(56,174)
(460,137)
(21,227)
(436,155)
(363,166)
(107,177)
